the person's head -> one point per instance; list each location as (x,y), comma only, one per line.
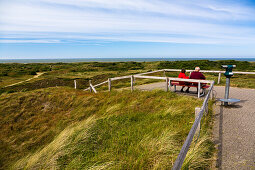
(197,69)
(183,70)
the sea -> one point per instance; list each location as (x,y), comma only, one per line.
(74,60)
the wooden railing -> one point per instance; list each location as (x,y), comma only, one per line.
(133,77)
(199,111)
(182,155)
(207,71)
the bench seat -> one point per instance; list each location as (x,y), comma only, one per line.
(190,84)
(177,83)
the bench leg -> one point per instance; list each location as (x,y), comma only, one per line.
(169,84)
(198,90)
(174,88)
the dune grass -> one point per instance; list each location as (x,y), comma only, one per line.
(68,129)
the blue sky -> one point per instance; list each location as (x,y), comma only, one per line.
(126,28)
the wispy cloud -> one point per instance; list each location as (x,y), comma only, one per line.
(193,21)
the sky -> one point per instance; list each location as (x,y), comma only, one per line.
(46,29)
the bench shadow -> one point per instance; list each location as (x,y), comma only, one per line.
(232,105)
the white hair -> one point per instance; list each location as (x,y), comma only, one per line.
(197,69)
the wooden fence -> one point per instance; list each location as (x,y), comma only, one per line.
(182,155)
(141,76)
(199,112)
(205,71)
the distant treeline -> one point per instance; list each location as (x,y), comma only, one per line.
(207,65)
(57,70)
(17,69)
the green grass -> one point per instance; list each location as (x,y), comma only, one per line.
(107,130)
(63,74)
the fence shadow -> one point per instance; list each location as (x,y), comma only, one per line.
(219,142)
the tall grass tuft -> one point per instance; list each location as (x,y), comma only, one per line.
(60,128)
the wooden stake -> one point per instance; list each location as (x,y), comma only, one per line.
(109,84)
(74,84)
(219,78)
(132,83)
(167,84)
(90,89)
(197,111)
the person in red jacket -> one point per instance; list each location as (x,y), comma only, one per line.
(183,75)
(196,75)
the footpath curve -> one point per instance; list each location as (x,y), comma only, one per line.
(36,76)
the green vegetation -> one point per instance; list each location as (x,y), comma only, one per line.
(107,130)
(63,74)
(46,126)
(207,65)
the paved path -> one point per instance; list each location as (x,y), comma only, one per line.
(234,129)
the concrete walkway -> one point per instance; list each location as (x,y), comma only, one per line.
(234,128)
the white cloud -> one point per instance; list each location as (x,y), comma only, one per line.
(130,20)
(29,41)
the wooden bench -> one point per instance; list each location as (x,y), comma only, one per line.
(203,86)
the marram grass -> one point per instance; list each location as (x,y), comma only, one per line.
(60,128)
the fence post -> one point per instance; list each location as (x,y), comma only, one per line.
(167,84)
(132,83)
(197,111)
(219,78)
(164,73)
(198,89)
(90,89)
(109,84)
(74,84)
(212,93)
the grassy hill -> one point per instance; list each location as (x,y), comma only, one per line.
(64,74)
(62,128)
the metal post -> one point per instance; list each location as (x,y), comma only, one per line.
(74,84)
(219,78)
(227,90)
(109,84)
(132,83)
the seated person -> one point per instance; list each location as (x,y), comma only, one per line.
(183,75)
(196,75)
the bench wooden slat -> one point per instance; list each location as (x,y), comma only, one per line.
(176,83)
